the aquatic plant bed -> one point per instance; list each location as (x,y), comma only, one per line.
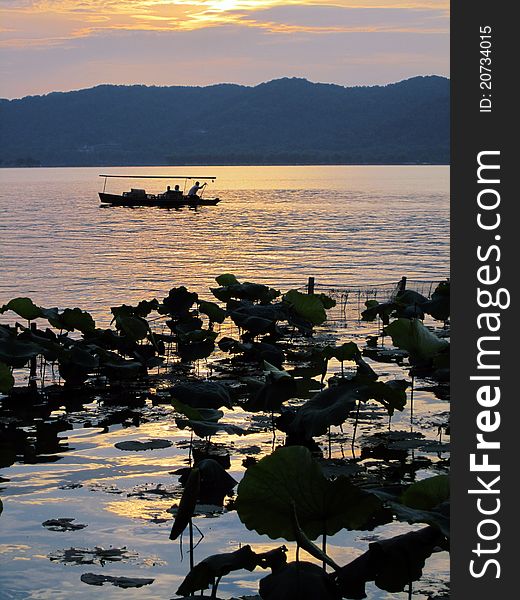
(241,447)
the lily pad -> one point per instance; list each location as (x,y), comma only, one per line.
(122,582)
(64,524)
(136,446)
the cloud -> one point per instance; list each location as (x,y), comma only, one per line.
(60,44)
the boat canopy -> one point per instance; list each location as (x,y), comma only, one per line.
(160,177)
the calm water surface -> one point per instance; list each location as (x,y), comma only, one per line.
(278,225)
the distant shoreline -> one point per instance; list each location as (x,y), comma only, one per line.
(201,164)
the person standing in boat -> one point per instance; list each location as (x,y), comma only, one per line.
(194,190)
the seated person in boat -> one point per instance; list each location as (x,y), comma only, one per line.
(174,194)
(193,193)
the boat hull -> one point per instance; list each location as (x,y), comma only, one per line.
(160,201)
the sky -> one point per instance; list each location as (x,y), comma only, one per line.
(61,45)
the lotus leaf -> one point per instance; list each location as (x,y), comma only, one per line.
(256,292)
(392,564)
(135,328)
(178,302)
(226,279)
(411,335)
(70,319)
(122,582)
(204,394)
(6,378)
(290,476)
(347,351)
(205,429)
(427,493)
(23,307)
(391,394)
(213,311)
(187,504)
(298,581)
(308,306)
(215,482)
(327,301)
(328,407)
(197,414)
(213,567)
(16,352)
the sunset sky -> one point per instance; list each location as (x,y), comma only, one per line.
(57,45)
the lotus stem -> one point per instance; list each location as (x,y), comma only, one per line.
(324,548)
(192,562)
(355,426)
(411,404)
(215,587)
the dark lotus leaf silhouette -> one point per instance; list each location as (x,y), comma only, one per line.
(391,563)
(187,504)
(298,581)
(328,407)
(205,394)
(215,482)
(213,311)
(213,567)
(290,479)
(411,335)
(178,301)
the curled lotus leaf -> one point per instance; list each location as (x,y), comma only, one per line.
(187,504)
(23,307)
(177,302)
(226,279)
(328,407)
(70,319)
(391,394)
(135,328)
(213,311)
(308,306)
(213,567)
(390,563)
(411,335)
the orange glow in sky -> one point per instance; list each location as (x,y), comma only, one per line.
(61,44)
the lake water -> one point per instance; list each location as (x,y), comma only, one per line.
(277,225)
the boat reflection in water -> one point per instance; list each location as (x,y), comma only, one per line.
(169,199)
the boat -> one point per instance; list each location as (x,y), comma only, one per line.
(169,199)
